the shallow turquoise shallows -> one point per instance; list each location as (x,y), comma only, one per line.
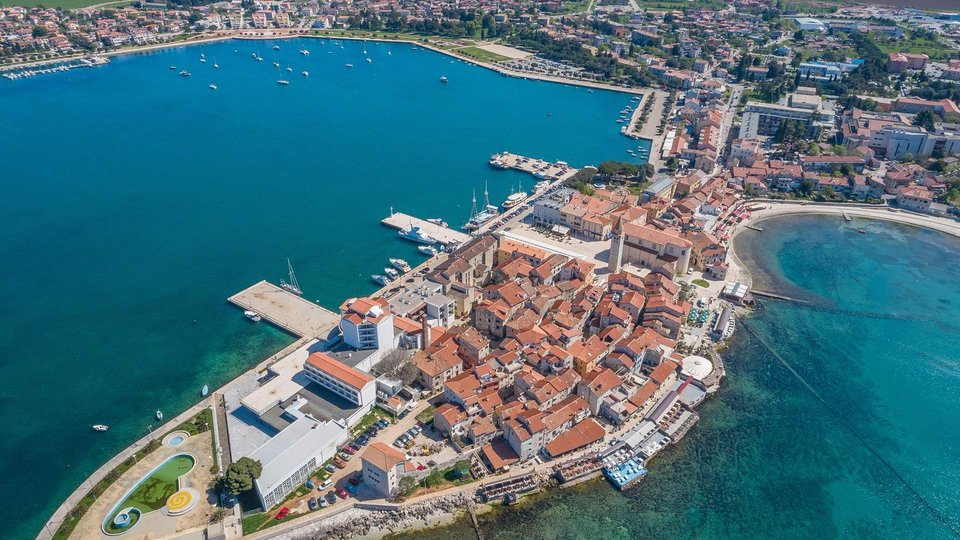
(135,201)
(848,431)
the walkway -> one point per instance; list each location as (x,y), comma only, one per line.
(290,312)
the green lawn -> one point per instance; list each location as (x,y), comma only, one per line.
(701,283)
(932,48)
(481,54)
(574,6)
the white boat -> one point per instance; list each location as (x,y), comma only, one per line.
(427,250)
(416,234)
(479,218)
(252,315)
(254,55)
(390,272)
(276,47)
(276,64)
(390,53)
(205,390)
(369,61)
(289,68)
(159,415)
(382,280)
(305,73)
(292,286)
(515,198)
(283,82)
(184,73)
(444,79)
(304,52)
(212,86)
(348,65)
(215,64)
(174,68)
(400,264)
(203,60)
(438,221)
(100,427)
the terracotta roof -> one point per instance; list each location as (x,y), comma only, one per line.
(588,431)
(349,376)
(382,456)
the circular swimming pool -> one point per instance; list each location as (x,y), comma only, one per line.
(176,438)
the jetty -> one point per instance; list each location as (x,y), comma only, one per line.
(846,216)
(19,72)
(767,294)
(285,310)
(443,235)
(539,168)
(754,228)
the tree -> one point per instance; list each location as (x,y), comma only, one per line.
(798,35)
(241,474)
(924,119)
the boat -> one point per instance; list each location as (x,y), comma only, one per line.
(416,234)
(159,415)
(215,64)
(292,286)
(400,264)
(203,60)
(496,161)
(382,280)
(100,427)
(212,86)
(348,65)
(283,82)
(276,64)
(304,52)
(305,73)
(369,61)
(444,79)
(276,47)
(289,68)
(390,53)
(427,250)
(390,272)
(184,73)
(479,218)
(862,231)
(438,221)
(172,68)
(541,185)
(254,55)
(259,59)
(252,315)
(515,198)
(205,390)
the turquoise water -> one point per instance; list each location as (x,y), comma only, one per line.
(135,201)
(850,433)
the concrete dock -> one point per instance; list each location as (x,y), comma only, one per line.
(288,311)
(542,170)
(444,235)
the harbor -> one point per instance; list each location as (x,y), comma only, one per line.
(439,233)
(21,72)
(285,310)
(539,168)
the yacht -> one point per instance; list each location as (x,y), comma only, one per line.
(496,163)
(292,286)
(438,221)
(382,280)
(427,250)
(304,52)
(184,73)
(400,264)
(215,64)
(479,218)
(100,427)
(416,234)
(252,315)
(203,60)
(515,199)
(205,390)
(159,415)
(444,79)
(283,82)
(212,86)
(541,185)
(390,272)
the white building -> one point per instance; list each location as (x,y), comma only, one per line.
(367,324)
(350,383)
(810,24)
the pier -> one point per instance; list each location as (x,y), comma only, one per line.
(289,312)
(539,168)
(846,216)
(20,72)
(443,235)
(776,296)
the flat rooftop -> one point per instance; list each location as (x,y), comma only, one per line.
(321,404)
(285,310)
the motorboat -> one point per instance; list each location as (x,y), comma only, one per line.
(428,250)
(276,64)
(348,65)
(212,86)
(400,264)
(305,73)
(444,79)
(438,221)
(304,52)
(289,69)
(369,61)
(159,415)
(283,82)
(174,68)
(276,47)
(184,73)
(205,390)
(252,315)
(382,280)
(416,234)
(390,272)
(100,427)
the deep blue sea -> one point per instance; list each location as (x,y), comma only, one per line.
(838,419)
(135,201)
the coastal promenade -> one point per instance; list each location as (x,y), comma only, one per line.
(290,312)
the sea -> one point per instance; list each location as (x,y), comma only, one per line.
(838,417)
(136,200)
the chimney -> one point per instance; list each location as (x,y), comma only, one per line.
(426,332)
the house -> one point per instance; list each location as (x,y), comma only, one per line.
(383,466)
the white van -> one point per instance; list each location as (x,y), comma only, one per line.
(325,484)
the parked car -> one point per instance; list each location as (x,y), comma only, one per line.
(351,489)
(344,456)
(309,484)
(331,497)
(421,467)
(342,493)
(283,513)
(354,480)
(349,450)
(383,423)
(323,502)
(339,463)
(432,463)
(325,484)
(362,441)
(330,468)
(313,503)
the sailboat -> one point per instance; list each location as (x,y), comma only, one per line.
(479,218)
(215,64)
(159,415)
(205,390)
(292,286)
(203,57)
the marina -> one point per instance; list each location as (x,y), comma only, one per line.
(539,168)
(26,72)
(443,235)
(287,311)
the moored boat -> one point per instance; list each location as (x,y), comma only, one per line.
(304,52)
(444,79)
(212,86)
(291,286)
(428,250)
(390,272)
(382,280)
(159,415)
(283,82)
(438,221)
(205,390)
(416,234)
(252,315)
(100,427)
(184,73)
(400,264)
